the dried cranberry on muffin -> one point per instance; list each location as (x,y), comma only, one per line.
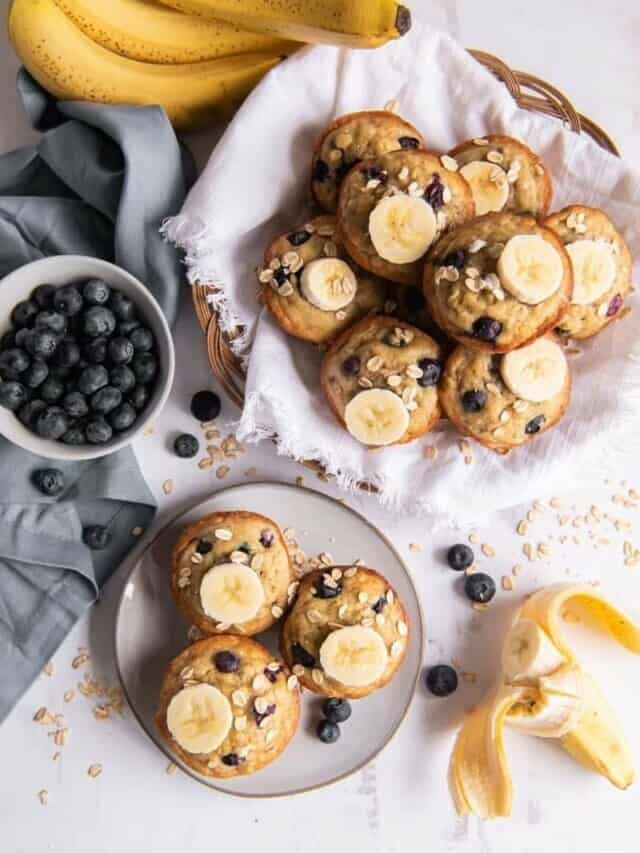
(601,265)
(347,141)
(227,706)
(231,572)
(380,379)
(498,282)
(392,208)
(347,632)
(504,175)
(504,401)
(312,287)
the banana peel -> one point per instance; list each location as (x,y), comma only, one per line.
(479,775)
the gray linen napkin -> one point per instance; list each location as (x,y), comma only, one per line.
(99,182)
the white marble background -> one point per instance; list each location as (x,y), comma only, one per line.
(400,803)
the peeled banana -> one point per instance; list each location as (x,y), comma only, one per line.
(489,186)
(348,23)
(355,656)
(530,268)
(542,691)
(402,228)
(536,372)
(231,593)
(594,270)
(376,417)
(328,283)
(71,66)
(199,718)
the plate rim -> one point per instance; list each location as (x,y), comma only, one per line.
(165,749)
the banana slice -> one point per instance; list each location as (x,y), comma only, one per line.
(232,593)
(489,186)
(558,707)
(328,283)
(355,656)
(402,228)
(594,270)
(528,653)
(536,372)
(530,268)
(199,718)
(376,417)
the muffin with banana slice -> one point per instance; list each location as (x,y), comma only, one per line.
(601,265)
(380,379)
(347,141)
(499,282)
(231,572)
(504,401)
(347,632)
(312,287)
(392,208)
(504,175)
(227,706)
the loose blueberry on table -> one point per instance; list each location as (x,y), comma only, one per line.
(205,405)
(328,732)
(479,587)
(96,537)
(186,446)
(77,364)
(441,680)
(336,710)
(460,557)
(50,481)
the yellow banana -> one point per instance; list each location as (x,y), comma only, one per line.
(349,23)
(71,66)
(145,31)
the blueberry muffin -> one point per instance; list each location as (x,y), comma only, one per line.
(230,572)
(504,175)
(227,706)
(347,632)
(392,208)
(504,401)
(601,268)
(348,140)
(380,379)
(499,282)
(312,287)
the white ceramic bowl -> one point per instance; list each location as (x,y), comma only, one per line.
(64,269)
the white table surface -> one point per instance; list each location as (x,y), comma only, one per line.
(400,803)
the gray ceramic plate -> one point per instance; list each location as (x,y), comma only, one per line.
(149,631)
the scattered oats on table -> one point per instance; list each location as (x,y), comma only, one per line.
(94,770)
(48,670)
(415,547)
(167,487)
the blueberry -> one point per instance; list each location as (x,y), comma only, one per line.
(96,536)
(30,412)
(267,538)
(455,259)
(98,321)
(204,547)
(122,307)
(486,329)
(413,300)
(75,404)
(320,171)
(123,417)
(142,339)
(322,590)
(138,397)
(106,400)
(95,350)
(92,379)
(50,481)
(186,446)
(474,400)
(52,423)
(379,605)
(231,759)
(42,295)
(272,674)
(120,350)
(205,406)
(122,378)
(74,436)
(52,321)
(262,715)
(441,680)
(67,300)
(300,655)
(479,587)
(145,367)
(125,328)
(8,340)
(535,425)
(344,167)
(297,238)
(51,390)
(226,661)
(42,343)
(615,305)
(408,142)
(96,292)
(22,336)
(336,710)
(434,193)
(460,557)
(328,732)
(13,362)
(431,371)
(351,365)
(98,431)
(67,354)
(35,374)
(24,313)
(13,395)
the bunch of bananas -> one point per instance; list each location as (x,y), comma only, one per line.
(199,66)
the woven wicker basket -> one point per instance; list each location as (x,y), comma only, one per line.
(529,92)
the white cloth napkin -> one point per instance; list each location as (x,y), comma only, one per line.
(255,185)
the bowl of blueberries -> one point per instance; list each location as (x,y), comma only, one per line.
(86,357)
